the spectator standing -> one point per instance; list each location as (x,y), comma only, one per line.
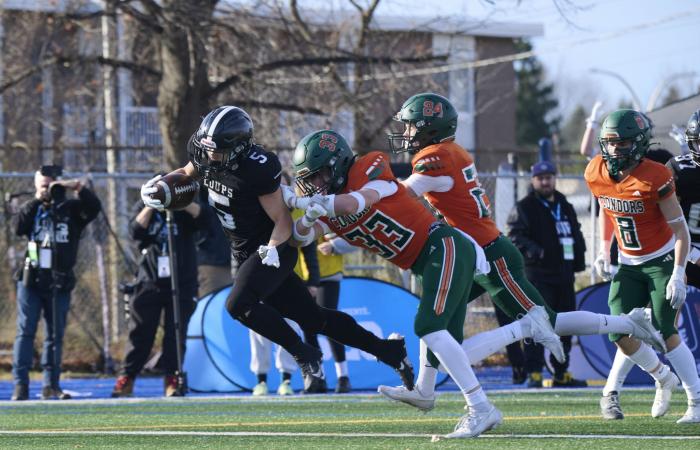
(544,227)
(53,224)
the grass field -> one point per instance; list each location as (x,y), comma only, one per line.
(543,419)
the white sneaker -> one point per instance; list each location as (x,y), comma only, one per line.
(692,415)
(477,420)
(414,398)
(662,399)
(543,333)
(610,406)
(645,331)
(260,389)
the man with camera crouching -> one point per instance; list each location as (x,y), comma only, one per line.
(53,224)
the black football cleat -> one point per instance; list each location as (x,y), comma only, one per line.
(396,356)
(311,365)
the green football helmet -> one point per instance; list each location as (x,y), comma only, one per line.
(435,120)
(322,152)
(631,131)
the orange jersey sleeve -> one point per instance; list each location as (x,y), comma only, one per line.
(466,206)
(396,227)
(632,204)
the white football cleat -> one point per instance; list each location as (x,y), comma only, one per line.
(543,333)
(479,419)
(645,331)
(692,415)
(662,399)
(610,406)
(414,398)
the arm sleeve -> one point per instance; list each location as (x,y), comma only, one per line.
(420,184)
(342,247)
(311,260)
(382,187)
(25,218)
(519,232)
(136,231)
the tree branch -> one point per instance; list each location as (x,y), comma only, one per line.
(278,106)
(26,74)
(143,19)
(59,60)
(116,63)
(317,61)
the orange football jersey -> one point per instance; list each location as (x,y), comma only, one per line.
(396,227)
(466,206)
(632,204)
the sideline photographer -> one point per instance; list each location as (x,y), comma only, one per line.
(53,224)
(153,293)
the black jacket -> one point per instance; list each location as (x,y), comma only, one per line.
(152,241)
(532,229)
(71,218)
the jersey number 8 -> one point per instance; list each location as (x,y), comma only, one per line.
(628,233)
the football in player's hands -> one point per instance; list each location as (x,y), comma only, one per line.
(175,190)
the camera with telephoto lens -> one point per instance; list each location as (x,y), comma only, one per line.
(57,192)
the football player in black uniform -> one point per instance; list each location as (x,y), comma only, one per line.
(243,181)
(686,173)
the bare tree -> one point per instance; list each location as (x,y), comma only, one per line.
(194,55)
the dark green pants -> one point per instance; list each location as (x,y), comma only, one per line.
(637,286)
(506,283)
(446,268)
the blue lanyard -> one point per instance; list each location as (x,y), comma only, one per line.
(41,214)
(557,216)
(162,234)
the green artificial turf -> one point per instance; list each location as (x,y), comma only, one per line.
(350,421)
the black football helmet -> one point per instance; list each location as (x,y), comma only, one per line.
(224,135)
(692,136)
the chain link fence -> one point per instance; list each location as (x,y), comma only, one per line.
(96,329)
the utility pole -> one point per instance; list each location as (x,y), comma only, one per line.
(108,36)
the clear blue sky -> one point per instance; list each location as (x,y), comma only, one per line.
(622,36)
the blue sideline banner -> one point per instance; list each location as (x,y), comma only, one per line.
(599,351)
(218,348)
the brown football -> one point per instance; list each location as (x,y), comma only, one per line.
(176,190)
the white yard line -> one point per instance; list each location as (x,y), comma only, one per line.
(341,435)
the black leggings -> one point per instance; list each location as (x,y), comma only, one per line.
(262,296)
(327,297)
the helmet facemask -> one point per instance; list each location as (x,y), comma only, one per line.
(692,137)
(208,158)
(331,181)
(625,156)
(401,141)
(694,149)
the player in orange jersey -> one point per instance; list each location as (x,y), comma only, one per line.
(361,201)
(444,173)
(636,195)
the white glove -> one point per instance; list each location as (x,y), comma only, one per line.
(291,199)
(327,201)
(313,212)
(675,289)
(601,266)
(595,111)
(269,256)
(149,188)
